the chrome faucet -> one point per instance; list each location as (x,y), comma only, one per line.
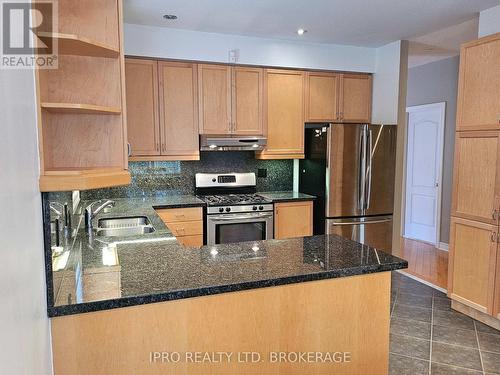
(90,212)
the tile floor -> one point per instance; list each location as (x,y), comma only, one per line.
(428,337)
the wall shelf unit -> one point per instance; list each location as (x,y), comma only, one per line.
(81,104)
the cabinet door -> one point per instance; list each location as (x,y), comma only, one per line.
(322,96)
(179,110)
(479,82)
(247,101)
(293,219)
(143,126)
(475,180)
(496,297)
(214,99)
(356,98)
(285,115)
(473,247)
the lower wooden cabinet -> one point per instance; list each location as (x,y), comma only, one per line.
(473,261)
(293,219)
(186,224)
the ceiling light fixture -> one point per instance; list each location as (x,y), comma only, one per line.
(301,31)
(170,16)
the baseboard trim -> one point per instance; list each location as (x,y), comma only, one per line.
(475,314)
(443,246)
(422,281)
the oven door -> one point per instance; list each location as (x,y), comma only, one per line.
(228,228)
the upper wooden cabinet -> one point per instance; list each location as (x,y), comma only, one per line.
(473,263)
(285,115)
(355,101)
(476,185)
(179,110)
(338,97)
(322,96)
(230,100)
(293,219)
(247,101)
(479,82)
(214,98)
(162,109)
(143,125)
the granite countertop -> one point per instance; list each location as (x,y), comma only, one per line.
(286,196)
(99,273)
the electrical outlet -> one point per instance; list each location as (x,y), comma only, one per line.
(262,172)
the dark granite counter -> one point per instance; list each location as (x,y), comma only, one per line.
(286,196)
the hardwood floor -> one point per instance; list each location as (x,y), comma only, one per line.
(425,261)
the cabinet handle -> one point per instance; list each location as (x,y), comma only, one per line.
(494,214)
(129,149)
(494,237)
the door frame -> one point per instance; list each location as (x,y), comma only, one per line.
(442,123)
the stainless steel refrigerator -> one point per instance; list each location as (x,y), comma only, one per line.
(350,168)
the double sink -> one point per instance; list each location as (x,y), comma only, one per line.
(124,226)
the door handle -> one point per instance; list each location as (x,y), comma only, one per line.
(129,149)
(494,214)
(494,237)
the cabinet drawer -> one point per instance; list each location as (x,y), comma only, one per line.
(172,215)
(186,228)
(191,241)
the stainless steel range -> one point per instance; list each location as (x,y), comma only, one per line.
(234,212)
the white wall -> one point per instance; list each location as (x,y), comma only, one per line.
(489,21)
(24,326)
(165,42)
(386,84)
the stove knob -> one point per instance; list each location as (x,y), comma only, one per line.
(213,180)
(221,209)
(254,208)
(261,208)
(228,209)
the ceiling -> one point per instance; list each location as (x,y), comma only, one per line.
(369,23)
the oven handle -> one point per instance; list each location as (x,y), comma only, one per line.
(233,217)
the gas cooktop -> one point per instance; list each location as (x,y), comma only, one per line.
(233,199)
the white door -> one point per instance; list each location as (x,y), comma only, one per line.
(424,162)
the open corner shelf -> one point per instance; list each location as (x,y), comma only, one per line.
(80,108)
(83,179)
(70,44)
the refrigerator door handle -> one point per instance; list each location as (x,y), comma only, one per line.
(362,170)
(363,222)
(368,174)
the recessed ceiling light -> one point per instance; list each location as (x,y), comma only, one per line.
(170,16)
(301,31)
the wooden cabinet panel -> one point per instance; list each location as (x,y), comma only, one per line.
(285,115)
(179,110)
(479,82)
(214,99)
(293,219)
(247,101)
(472,263)
(191,241)
(356,98)
(172,215)
(186,228)
(476,185)
(322,96)
(496,297)
(143,126)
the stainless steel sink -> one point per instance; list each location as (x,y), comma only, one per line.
(124,226)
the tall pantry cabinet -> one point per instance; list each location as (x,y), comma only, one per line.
(474,262)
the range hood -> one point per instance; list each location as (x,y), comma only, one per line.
(231,143)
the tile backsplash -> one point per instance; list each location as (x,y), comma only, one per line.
(177,177)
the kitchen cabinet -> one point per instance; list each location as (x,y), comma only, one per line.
(179,110)
(473,262)
(355,101)
(322,96)
(81,104)
(293,219)
(285,115)
(162,110)
(231,100)
(186,224)
(143,124)
(476,186)
(479,80)
(335,97)
(496,297)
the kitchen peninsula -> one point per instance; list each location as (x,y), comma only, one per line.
(148,295)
